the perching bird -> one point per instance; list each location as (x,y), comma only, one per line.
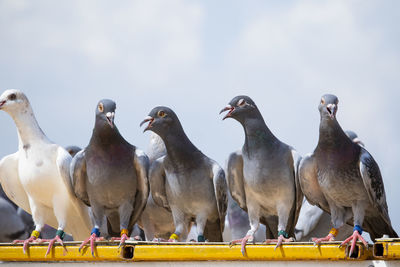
(36,177)
(186,181)
(262,178)
(11,225)
(110,175)
(315,222)
(343,179)
(156,221)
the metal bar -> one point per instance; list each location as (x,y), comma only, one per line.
(148,251)
(387,249)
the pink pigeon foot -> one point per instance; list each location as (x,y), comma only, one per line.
(243,242)
(328,238)
(353,238)
(31,239)
(279,241)
(122,239)
(51,243)
(93,238)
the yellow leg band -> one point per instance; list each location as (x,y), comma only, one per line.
(35,233)
(124,231)
(334,232)
(174,236)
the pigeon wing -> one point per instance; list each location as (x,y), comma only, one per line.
(79,176)
(220,188)
(141,165)
(308,179)
(10,182)
(235,178)
(157,183)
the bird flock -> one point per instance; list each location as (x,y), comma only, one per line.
(111,188)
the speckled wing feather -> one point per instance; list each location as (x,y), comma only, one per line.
(235,178)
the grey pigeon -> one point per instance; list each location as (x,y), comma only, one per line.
(11,225)
(37,178)
(343,179)
(315,222)
(262,178)
(186,181)
(110,175)
(156,221)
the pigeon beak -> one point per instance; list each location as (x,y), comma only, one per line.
(332,110)
(228,107)
(2,103)
(110,118)
(148,118)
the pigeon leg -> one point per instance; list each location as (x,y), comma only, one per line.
(95,236)
(354,237)
(201,224)
(33,238)
(330,237)
(254,223)
(283,215)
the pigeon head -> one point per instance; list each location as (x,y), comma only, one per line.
(13,100)
(239,108)
(161,119)
(105,112)
(328,106)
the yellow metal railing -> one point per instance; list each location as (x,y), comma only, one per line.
(148,251)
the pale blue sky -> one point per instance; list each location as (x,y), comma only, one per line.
(195,56)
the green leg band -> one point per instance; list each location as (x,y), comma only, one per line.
(285,235)
(61,234)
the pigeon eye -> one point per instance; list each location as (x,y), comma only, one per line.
(12,97)
(161,114)
(241,103)
(101,107)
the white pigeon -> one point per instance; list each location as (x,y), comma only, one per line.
(36,177)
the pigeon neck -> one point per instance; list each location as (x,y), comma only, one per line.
(257,133)
(27,127)
(104,134)
(178,145)
(332,136)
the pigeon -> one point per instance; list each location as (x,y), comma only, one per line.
(11,225)
(262,177)
(186,181)
(157,222)
(315,222)
(110,176)
(36,177)
(342,178)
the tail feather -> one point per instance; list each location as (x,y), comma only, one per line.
(377,227)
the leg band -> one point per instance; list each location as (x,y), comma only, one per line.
(358,228)
(201,238)
(174,236)
(35,233)
(334,232)
(60,234)
(95,231)
(281,232)
(124,231)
